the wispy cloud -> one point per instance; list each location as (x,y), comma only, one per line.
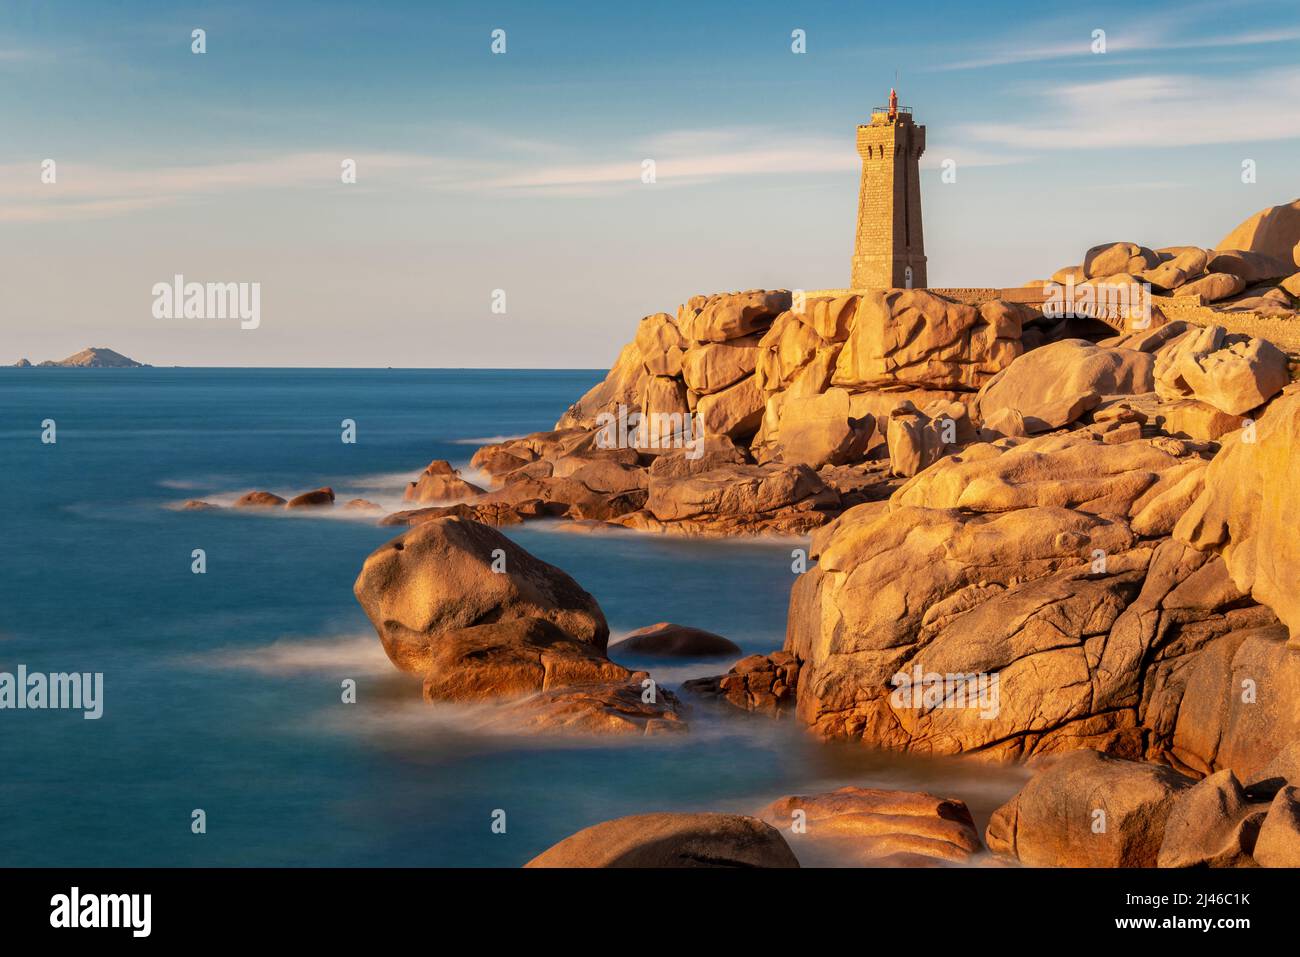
(1125,40)
(88,191)
(535,168)
(1156,110)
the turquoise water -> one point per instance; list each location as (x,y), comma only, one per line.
(222,691)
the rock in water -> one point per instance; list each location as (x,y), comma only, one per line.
(440,483)
(761,683)
(452,573)
(672,840)
(666,640)
(319,498)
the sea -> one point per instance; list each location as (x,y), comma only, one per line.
(225,738)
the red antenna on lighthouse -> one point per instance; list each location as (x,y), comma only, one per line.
(893,104)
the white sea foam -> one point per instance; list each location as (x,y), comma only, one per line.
(348,655)
(488,440)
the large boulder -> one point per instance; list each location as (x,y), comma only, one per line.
(876,828)
(785,349)
(915,338)
(822,430)
(660,344)
(725,316)
(1247,509)
(713,366)
(1232,373)
(917,439)
(1274,232)
(449,574)
(1056,384)
(1250,267)
(1110,259)
(830,317)
(1214,287)
(1088,810)
(735,412)
(672,840)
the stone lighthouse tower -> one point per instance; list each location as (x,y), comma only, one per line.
(889,250)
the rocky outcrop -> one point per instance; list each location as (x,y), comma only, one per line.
(1008,601)
(666,640)
(451,574)
(869,827)
(672,840)
(761,683)
(440,483)
(1087,810)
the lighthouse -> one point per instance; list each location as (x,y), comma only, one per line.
(889,248)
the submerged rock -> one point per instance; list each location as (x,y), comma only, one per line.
(672,840)
(258,500)
(666,640)
(877,828)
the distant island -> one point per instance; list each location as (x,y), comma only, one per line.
(92,358)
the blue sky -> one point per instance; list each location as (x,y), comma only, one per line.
(521,171)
